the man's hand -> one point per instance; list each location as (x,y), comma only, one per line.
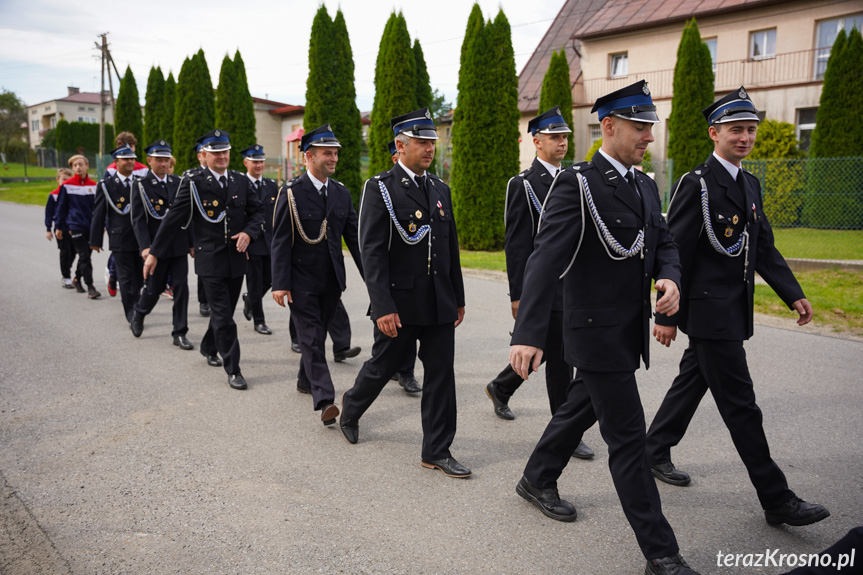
(145,252)
(96,249)
(514,307)
(243,241)
(389,324)
(669,303)
(192,252)
(58,234)
(520,359)
(665,334)
(460,316)
(48,236)
(281,295)
(804,310)
(150,265)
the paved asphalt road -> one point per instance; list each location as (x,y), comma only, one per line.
(124,455)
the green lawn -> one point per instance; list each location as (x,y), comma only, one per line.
(820,244)
(35,193)
(836,297)
(12,170)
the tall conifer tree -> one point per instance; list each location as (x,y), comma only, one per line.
(194,110)
(423,91)
(395,89)
(166,122)
(688,142)
(557,91)
(243,135)
(127,111)
(830,136)
(320,81)
(154,106)
(345,117)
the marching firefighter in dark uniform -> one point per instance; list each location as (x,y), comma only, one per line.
(717,218)
(112,212)
(227,216)
(259,275)
(152,196)
(413,274)
(602,230)
(314,212)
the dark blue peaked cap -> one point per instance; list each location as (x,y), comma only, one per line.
(254,152)
(158,149)
(549,122)
(215,141)
(321,136)
(630,103)
(123,151)
(416,124)
(731,108)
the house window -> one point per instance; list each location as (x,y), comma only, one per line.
(595,133)
(805,125)
(53,121)
(825,35)
(711,45)
(619,65)
(34,125)
(762,44)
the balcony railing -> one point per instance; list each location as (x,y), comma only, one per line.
(789,68)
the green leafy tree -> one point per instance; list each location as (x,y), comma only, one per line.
(75,137)
(243,134)
(230,104)
(127,110)
(320,80)
(423,90)
(154,106)
(13,113)
(557,91)
(166,122)
(688,142)
(777,161)
(439,105)
(194,110)
(395,89)
(834,191)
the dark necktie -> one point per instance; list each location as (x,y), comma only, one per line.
(630,177)
(421,184)
(223,182)
(257,185)
(126,184)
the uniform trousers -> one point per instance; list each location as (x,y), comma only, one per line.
(84,269)
(259,279)
(202,294)
(719,365)
(178,270)
(221,336)
(67,255)
(438,404)
(408,364)
(311,312)
(338,328)
(130,278)
(558,373)
(613,399)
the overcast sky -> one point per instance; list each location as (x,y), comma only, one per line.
(46,45)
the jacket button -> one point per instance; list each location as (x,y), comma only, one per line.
(705,293)
(590,320)
(618,221)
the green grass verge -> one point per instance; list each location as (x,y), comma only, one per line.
(836,297)
(495,261)
(820,244)
(35,193)
(12,170)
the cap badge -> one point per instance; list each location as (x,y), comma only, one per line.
(742,93)
(645,89)
(218,133)
(428,116)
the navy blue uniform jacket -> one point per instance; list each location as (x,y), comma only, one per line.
(398,276)
(121,237)
(606,302)
(216,253)
(300,266)
(149,190)
(715,300)
(267,194)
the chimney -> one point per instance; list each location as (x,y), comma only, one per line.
(73,90)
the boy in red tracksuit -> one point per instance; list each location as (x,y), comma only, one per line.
(72,219)
(67,251)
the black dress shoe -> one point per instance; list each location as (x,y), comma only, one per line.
(343,354)
(449,466)
(303,389)
(410,384)
(212,360)
(263,329)
(666,472)
(236,381)
(501,409)
(295,347)
(137,323)
(395,376)
(796,512)
(76,283)
(247,308)
(547,500)
(673,565)
(583,451)
(329,413)
(204,309)
(183,343)
(350,429)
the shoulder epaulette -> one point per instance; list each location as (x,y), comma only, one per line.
(581,166)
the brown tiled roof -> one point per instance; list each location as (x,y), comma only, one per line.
(82,98)
(269,102)
(287,110)
(587,19)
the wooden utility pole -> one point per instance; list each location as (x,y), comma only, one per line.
(104,49)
